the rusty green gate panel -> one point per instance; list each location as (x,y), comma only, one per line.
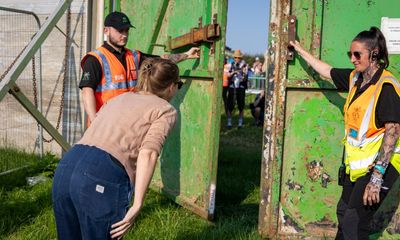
(304,119)
(187,170)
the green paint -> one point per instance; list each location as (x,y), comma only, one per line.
(188,163)
(313,117)
(314,128)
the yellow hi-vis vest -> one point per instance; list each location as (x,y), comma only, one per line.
(362,138)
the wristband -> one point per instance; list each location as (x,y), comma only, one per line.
(380,168)
(382,163)
(377,181)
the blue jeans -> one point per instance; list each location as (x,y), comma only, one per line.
(90,193)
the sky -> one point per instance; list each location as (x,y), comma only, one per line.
(247,25)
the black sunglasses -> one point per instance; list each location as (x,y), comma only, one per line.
(180,84)
(356,54)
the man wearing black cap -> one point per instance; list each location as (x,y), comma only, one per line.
(112,69)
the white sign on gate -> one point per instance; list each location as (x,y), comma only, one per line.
(390,28)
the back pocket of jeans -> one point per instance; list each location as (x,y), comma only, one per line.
(99,198)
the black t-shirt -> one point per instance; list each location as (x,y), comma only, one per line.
(92,70)
(388,105)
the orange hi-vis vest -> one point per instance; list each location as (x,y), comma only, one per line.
(362,138)
(115,79)
(225,78)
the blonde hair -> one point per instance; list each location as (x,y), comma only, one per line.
(156,75)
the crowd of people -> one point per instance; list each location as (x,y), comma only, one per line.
(126,96)
(235,82)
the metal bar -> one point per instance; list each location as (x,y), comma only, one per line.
(158,25)
(13,170)
(274,122)
(32,47)
(206,33)
(21,11)
(24,101)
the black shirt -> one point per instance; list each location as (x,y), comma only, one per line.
(92,70)
(388,105)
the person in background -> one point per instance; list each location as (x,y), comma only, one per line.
(372,129)
(117,155)
(257,67)
(112,69)
(225,83)
(237,88)
(257,108)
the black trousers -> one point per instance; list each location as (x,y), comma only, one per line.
(225,97)
(354,218)
(239,94)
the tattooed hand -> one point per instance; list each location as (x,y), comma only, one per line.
(194,52)
(390,137)
(371,193)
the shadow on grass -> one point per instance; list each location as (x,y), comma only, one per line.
(20,203)
(235,222)
(20,207)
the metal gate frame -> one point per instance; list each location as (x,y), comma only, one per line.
(387,218)
(8,83)
(40,107)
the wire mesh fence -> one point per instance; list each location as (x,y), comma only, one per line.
(50,81)
(255,84)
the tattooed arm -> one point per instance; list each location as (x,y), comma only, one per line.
(390,137)
(178,57)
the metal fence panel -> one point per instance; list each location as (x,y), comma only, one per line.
(58,68)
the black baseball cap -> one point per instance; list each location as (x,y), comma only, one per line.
(117,20)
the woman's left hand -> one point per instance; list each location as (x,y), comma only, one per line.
(119,229)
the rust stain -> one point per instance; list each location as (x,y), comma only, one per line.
(289,225)
(294,186)
(329,201)
(325,179)
(324,227)
(314,170)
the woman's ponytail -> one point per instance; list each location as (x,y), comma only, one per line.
(376,43)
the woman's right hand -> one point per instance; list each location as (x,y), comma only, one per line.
(321,67)
(119,229)
(296,45)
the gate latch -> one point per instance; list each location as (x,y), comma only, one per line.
(208,33)
(291,36)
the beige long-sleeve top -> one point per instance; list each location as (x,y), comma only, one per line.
(128,123)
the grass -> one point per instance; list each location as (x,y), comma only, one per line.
(26,211)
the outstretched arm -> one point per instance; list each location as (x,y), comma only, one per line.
(321,67)
(145,166)
(390,138)
(194,52)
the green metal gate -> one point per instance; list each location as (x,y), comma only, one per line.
(187,169)
(304,119)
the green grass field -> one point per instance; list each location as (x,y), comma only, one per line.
(26,211)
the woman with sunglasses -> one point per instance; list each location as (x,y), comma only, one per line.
(94,181)
(372,128)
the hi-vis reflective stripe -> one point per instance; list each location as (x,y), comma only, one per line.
(136,60)
(362,140)
(110,85)
(397,149)
(363,163)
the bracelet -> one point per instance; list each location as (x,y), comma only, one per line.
(380,168)
(382,163)
(377,181)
